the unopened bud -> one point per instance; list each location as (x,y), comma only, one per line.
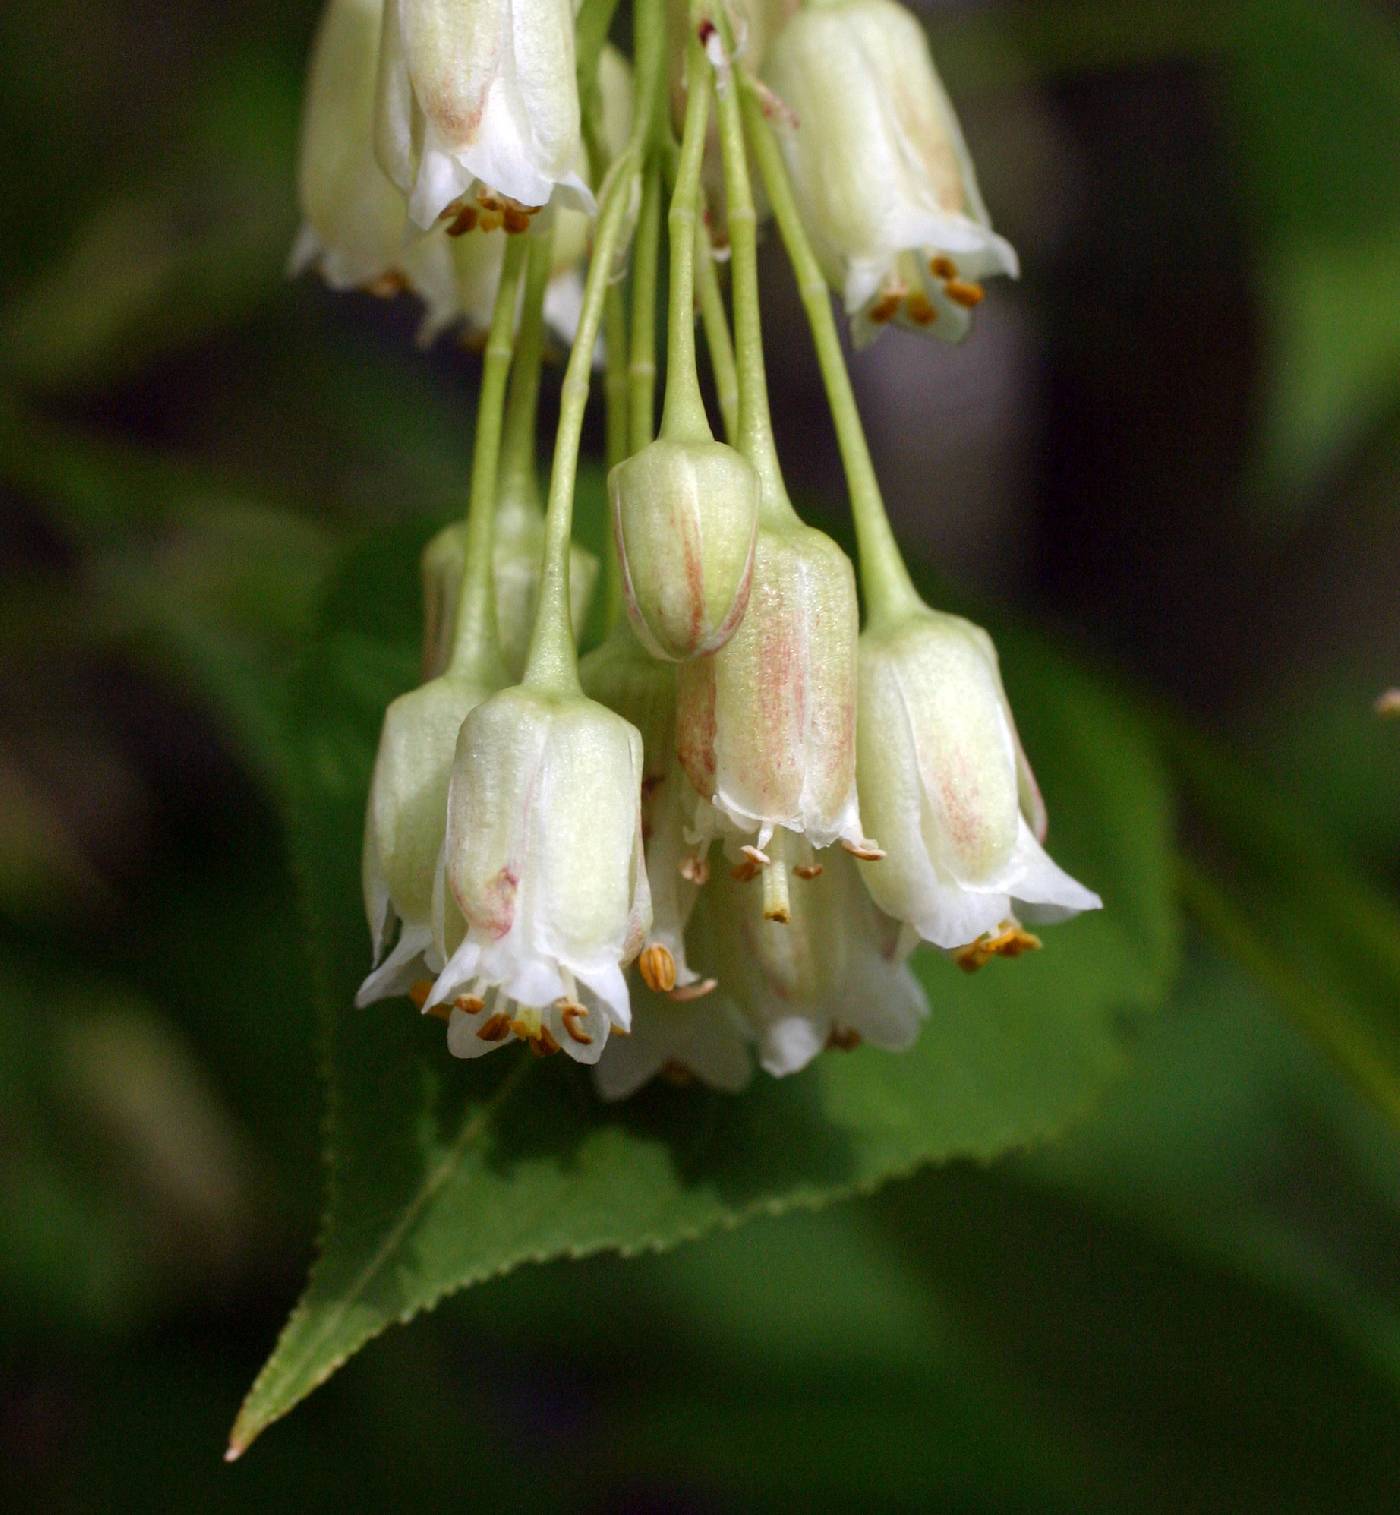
(684,516)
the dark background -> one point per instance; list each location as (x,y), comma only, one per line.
(1175,445)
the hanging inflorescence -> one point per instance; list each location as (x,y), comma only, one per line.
(729,825)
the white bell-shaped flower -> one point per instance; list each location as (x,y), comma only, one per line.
(680,1038)
(943,778)
(478,107)
(404,826)
(880,169)
(765,727)
(354,226)
(543,859)
(835,974)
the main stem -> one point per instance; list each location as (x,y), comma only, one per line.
(476,646)
(683,418)
(553,659)
(517,471)
(755,436)
(889,591)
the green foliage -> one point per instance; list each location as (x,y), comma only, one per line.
(444,1174)
(1280,896)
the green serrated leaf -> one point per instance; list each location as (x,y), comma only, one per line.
(444,1174)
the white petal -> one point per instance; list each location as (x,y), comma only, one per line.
(625,1067)
(396,974)
(1043,892)
(787,1045)
(462,1040)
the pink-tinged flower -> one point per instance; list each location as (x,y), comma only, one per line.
(944,779)
(543,860)
(766,727)
(479,107)
(880,170)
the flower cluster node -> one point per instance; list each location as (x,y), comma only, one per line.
(557,850)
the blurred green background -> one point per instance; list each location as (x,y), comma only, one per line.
(1173,448)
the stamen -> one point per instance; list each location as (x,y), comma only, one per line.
(754,855)
(495,1028)
(469,1004)
(542,1044)
(866,850)
(808,870)
(1011,940)
(886,308)
(463,222)
(943,268)
(569,1014)
(521,1029)
(491,220)
(698,990)
(658,968)
(517,219)
(419,991)
(920,310)
(969,296)
(696,868)
(746,871)
(842,1039)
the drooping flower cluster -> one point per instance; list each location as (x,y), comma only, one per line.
(720,835)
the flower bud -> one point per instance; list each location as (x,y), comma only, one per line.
(478,110)
(354,220)
(516,555)
(404,826)
(684,516)
(880,170)
(543,857)
(944,781)
(765,728)
(833,976)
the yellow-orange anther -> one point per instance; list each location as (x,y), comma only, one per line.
(658,968)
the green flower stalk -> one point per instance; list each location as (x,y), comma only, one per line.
(943,778)
(406,816)
(685,508)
